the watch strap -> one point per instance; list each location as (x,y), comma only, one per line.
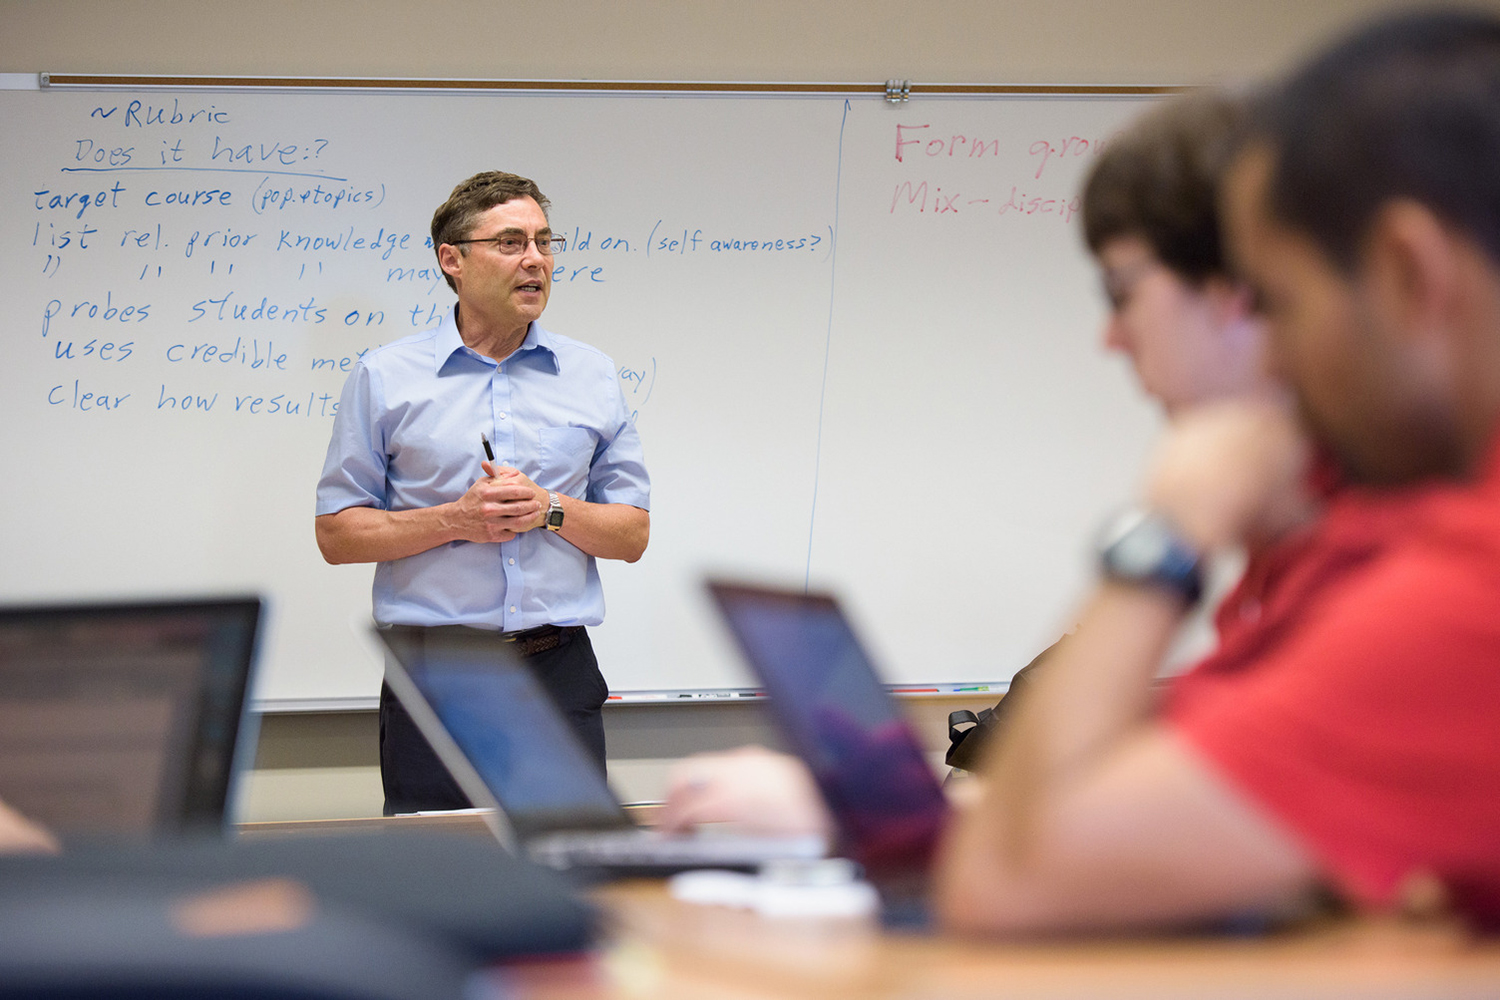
(553,519)
(1144,546)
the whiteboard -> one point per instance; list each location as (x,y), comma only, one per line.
(859,340)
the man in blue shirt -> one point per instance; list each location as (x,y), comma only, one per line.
(484,465)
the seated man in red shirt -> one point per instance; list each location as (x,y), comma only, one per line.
(1352,742)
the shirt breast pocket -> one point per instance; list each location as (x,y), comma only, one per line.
(566,455)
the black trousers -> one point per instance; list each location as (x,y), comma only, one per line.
(413,776)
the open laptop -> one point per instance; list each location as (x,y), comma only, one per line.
(512,752)
(125,719)
(828,704)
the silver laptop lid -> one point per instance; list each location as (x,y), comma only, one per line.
(497,731)
(126,719)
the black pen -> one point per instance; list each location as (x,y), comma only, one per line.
(489,452)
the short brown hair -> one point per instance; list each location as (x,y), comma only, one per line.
(455,218)
(1159,181)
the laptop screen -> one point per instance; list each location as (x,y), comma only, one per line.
(508,734)
(831,708)
(124,719)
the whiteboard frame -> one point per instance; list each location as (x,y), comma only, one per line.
(716,88)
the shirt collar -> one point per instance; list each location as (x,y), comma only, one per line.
(542,346)
(538,347)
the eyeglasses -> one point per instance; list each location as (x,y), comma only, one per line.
(513,242)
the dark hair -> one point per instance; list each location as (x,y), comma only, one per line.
(1159,180)
(455,218)
(1408,107)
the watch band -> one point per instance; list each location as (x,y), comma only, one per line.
(1145,547)
(553,520)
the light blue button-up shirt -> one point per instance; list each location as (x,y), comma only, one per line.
(406,435)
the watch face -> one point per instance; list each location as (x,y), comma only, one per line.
(1145,548)
(1140,552)
(554,519)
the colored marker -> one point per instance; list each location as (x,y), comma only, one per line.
(489,452)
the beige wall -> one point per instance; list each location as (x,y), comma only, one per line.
(325,765)
(954,41)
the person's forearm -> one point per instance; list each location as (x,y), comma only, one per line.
(1222,472)
(606,530)
(367,534)
(1092,813)
(1095,683)
(1091,693)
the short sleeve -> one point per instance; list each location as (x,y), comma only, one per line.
(354,471)
(618,472)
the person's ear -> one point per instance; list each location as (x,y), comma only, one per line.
(1409,268)
(450,259)
(1232,301)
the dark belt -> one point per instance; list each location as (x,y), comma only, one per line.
(530,641)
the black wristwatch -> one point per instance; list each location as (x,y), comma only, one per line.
(554,518)
(1145,547)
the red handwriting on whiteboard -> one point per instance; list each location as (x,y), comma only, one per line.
(951,146)
(1030,204)
(1072,146)
(916,197)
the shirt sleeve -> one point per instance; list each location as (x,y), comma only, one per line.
(354,471)
(618,472)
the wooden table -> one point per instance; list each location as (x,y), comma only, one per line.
(658,947)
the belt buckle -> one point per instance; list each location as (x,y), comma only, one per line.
(535,640)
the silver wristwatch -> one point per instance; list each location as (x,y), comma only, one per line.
(554,519)
(1144,546)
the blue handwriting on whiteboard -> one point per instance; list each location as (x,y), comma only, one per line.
(240,352)
(80,400)
(382,242)
(316,196)
(636,379)
(139,114)
(302,312)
